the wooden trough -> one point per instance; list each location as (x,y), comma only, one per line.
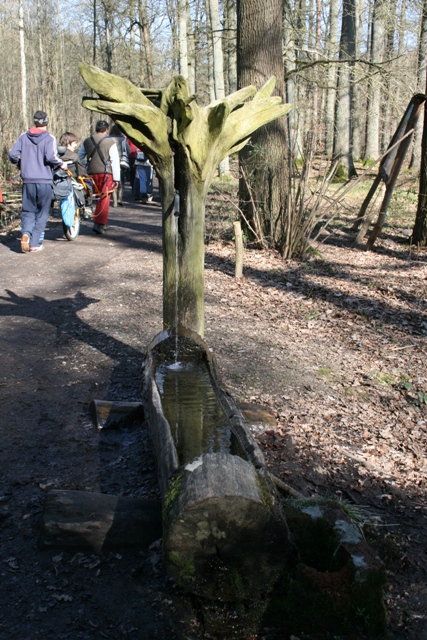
(224,534)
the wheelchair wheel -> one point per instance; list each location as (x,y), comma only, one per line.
(72,232)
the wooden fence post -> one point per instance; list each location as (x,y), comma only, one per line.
(239,249)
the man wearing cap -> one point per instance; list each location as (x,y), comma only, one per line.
(103,165)
(35,154)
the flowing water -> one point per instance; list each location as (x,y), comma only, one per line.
(189,402)
(176,212)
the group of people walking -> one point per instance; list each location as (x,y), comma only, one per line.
(107,157)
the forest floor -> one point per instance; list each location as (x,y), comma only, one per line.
(334,347)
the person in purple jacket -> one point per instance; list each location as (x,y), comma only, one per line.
(35,154)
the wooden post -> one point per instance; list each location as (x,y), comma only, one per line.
(362,211)
(185,143)
(409,121)
(368,217)
(389,170)
(238,239)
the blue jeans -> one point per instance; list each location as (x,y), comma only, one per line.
(36,203)
(143,183)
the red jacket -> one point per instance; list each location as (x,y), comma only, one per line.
(133,149)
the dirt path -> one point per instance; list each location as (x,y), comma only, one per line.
(329,346)
(74,322)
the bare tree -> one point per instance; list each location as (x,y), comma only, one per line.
(183,17)
(332,50)
(343,152)
(229,40)
(218,64)
(374,95)
(415,164)
(24,116)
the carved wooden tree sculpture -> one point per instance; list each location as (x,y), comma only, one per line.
(185,143)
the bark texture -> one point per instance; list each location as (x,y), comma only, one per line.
(419,233)
(265,161)
(343,151)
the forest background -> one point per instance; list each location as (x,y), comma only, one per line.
(353,320)
(350,66)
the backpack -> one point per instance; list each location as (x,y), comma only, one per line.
(68,210)
(79,195)
(62,185)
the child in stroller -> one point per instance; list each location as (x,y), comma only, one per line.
(80,177)
(73,188)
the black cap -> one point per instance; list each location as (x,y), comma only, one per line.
(41,119)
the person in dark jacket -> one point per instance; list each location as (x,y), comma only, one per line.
(103,165)
(35,154)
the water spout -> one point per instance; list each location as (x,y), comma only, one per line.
(176,212)
(176,204)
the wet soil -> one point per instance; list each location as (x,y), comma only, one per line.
(334,349)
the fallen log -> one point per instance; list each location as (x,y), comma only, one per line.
(97,521)
(224,534)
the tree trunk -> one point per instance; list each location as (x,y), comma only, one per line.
(343,152)
(419,233)
(372,149)
(332,74)
(218,64)
(23,66)
(265,160)
(230,32)
(290,54)
(394,48)
(145,51)
(358,91)
(108,47)
(415,164)
(183,250)
(191,56)
(183,15)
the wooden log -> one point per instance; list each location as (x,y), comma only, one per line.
(225,537)
(97,521)
(222,539)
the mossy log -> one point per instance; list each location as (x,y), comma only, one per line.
(97,521)
(221,538)
(224,534)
